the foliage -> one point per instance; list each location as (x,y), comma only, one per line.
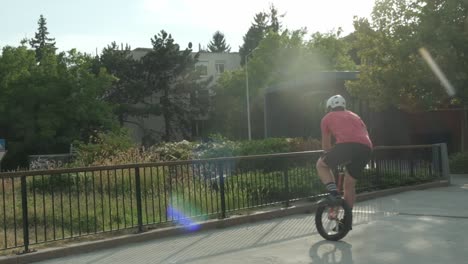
(459,162)
(165,73)
(266,146)
(263,23)
(183,150)
(101,147)
(41,43)
(171,73)
(45,106)
(302,144)
(334,50)
(392,71)
(117,148)
(128,88)
(279,57)
(218,44)
(217,146)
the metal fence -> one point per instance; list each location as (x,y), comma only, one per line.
(43,206)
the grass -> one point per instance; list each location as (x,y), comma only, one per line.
(71,205)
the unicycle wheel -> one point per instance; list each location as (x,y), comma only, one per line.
(333,221)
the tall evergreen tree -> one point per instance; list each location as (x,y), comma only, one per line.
(128,89)
(41,42)
(263,23)
(218,44)
(170,72)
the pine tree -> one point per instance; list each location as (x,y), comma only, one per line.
(41,42)
(218,44)
(263,22)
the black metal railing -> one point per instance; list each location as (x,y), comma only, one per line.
(43,206)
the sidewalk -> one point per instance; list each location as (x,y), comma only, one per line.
(427,226)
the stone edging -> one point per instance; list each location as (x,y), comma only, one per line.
(86,247)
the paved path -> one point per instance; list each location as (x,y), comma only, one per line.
(429,226)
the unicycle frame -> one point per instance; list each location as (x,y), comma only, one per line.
(339,179)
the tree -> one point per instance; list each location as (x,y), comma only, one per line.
(41,43)
(218,44)
(279,57)
(393,73)
(335,51)
(170,73)
(45,107)
(443,30)
(263,23)
(128,88)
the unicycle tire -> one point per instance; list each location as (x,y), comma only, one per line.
(330,230)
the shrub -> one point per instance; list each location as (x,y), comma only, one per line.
(301,144)
(459,162)
(183,150)
(101,147)
(217,146)
(116,148)
(265,146)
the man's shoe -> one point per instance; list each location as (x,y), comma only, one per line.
(341,226)
(334,200)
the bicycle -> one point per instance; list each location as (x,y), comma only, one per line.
(333,219)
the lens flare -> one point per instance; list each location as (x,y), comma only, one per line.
(180,218)
(437,71)
(181,214)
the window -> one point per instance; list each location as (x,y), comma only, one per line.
(202,66)
(219,67)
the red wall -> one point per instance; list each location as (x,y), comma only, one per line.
(400,128)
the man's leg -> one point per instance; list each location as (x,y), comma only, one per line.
(326,176)
(349,189)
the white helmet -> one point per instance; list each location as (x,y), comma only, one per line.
(336,101)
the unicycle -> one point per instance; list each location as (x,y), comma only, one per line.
(333,218)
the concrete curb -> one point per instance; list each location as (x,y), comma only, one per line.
(459,174)
(86,247)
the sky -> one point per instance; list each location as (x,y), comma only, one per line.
(90,25)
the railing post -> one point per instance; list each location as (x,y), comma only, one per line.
(436,162)
(411,167)
(444,162)
(24,208)
(286,185)
(138,199)
(222,191)
(377,172)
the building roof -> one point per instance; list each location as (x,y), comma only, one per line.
(314,78)
(193,52)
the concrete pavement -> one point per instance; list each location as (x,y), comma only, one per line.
(429,226)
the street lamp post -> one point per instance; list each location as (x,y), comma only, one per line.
(247,93)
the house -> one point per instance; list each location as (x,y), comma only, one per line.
(212,66)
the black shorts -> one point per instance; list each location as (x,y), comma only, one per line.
(354,156)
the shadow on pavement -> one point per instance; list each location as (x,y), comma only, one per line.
(324,252)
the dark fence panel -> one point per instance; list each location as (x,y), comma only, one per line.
(43,206)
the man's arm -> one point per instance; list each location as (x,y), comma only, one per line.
(326,135)
(326,141)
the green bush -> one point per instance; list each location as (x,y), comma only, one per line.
(459,162)
(183,150)
(101,147)
(217,146)
(301,144)
(117,148)
(53,183)
(265,146)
